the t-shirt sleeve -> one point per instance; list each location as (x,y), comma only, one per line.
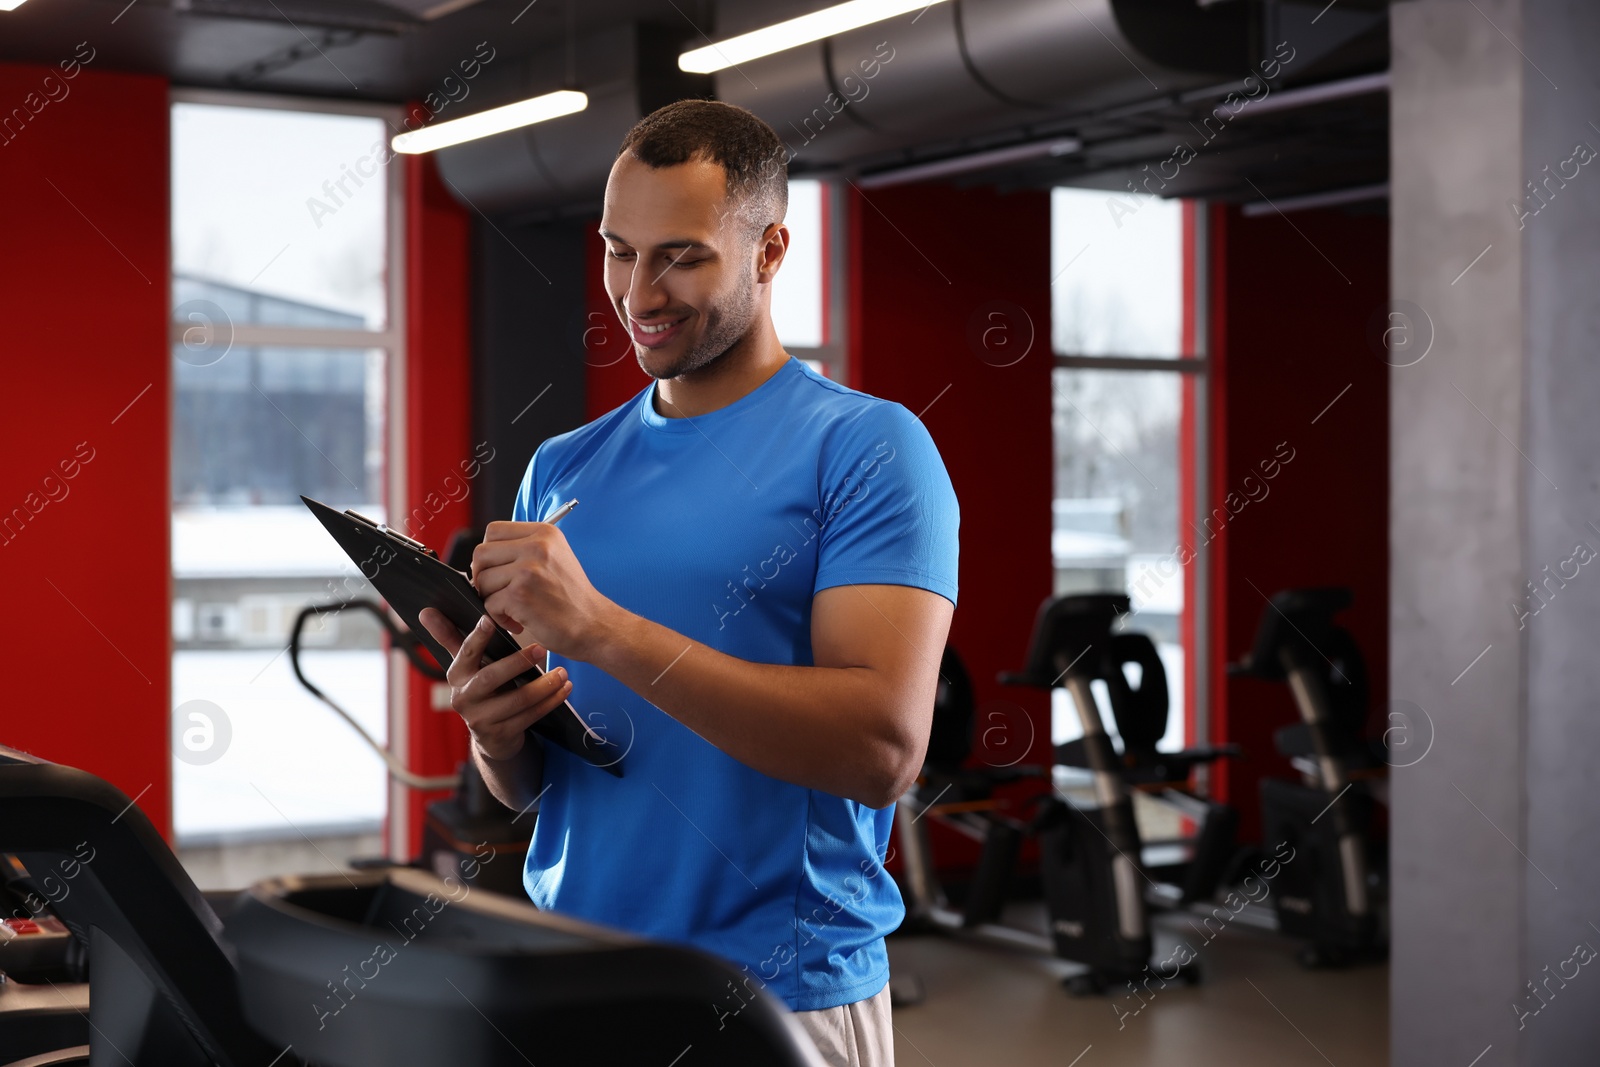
(889,514)
(528,493)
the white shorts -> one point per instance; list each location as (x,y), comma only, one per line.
(853,1035)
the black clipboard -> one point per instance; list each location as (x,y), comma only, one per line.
(410,576)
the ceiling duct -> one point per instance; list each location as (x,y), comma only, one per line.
(951,79)
(960,68)
(360,16)
(627,71)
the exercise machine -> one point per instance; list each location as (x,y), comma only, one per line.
(353,969)
(964,799)
(1100,879)
(1332,894)
(463,832)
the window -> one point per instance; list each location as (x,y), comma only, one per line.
(797,311)
(1123,390)
(806,297)
(1117,265)
(284,209)
(285,359)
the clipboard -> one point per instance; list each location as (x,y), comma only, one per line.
(411,576)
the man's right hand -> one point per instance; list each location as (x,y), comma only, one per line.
(496,720)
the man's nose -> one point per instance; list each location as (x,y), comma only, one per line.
(645,291)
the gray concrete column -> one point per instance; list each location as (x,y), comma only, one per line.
(1495,438)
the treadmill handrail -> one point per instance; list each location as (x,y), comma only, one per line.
(132,888)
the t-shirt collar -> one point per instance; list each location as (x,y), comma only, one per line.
(698,423)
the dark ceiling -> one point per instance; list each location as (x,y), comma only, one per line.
(351,49)
(399,51)
(1314,148)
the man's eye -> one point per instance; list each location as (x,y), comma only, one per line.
(619,255)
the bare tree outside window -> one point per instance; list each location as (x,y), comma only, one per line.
(1118,293)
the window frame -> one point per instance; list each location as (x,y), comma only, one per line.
(833,353)
(1196,364)
(391,340)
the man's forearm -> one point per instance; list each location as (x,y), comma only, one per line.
(515,782)
(826,728)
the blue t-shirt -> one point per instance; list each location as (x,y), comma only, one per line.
(723,527)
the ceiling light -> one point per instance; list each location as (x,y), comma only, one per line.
(495,120)
(10,5)
(793,33)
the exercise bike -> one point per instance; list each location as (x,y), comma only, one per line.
(1332,895)
(1100,880)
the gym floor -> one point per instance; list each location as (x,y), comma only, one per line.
(986,1004)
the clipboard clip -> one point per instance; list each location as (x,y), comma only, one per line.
(396,535)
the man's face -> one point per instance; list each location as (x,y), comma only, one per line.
(681,264)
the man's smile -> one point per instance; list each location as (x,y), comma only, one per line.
(655,334)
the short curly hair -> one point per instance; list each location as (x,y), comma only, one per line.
(754,160)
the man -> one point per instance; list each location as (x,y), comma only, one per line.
(752,600)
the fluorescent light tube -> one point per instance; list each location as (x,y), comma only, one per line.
(794,32)
(10,5)
(495,120)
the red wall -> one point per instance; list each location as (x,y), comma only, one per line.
(927,267)
(84,276)
(83,344)
(438,426)
(1288,333)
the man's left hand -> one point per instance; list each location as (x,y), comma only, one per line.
(532,583)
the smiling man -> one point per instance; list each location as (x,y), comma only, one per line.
(751,600)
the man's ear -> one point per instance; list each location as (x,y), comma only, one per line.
(770,250)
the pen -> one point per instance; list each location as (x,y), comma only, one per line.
(561,512)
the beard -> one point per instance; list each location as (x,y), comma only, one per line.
(726,326)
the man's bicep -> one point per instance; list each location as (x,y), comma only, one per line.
(897,630)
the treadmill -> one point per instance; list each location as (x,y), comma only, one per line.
(110,957)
